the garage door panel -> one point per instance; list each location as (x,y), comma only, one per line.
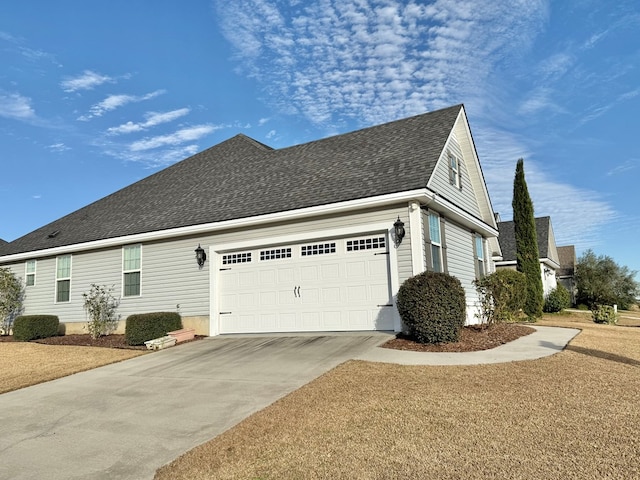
(309,273)
(268,276)
(314,286)
(331,295)
(247,278)
(330,271)
(356,269)
(310,296)
(285,275)
(268,298)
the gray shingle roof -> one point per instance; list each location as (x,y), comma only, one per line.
(507,238)
(567,257)
(241,177)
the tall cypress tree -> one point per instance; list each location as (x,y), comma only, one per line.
(527,254)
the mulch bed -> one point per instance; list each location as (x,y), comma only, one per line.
(85,340)
(472,339)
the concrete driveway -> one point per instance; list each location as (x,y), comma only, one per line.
(125,420)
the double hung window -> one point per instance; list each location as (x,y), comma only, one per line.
(436,242)
(63,278)
(30,273)
(131,269)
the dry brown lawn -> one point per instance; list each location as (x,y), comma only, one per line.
(26,363)
(574,415)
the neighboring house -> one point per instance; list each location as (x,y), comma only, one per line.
(549,261)
(567,271)
(296,239)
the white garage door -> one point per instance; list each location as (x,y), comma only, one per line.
(330,285)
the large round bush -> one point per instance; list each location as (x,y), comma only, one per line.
(432,307)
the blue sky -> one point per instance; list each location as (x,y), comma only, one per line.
(97,95)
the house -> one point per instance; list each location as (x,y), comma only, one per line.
(567,271)
(549,260)
(313,237)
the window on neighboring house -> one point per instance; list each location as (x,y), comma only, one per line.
(454,171)
(63,278)
(131,261)
(480,260)
(30,270)
(436,242)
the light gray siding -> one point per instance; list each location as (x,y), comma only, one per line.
(461,264)
(464,197)
(170,276)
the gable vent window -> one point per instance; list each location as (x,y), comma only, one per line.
(63,278)
(365,244)
(131,270)
(454,171)
(233,258)
(30,273)
(318,249)
(275,253)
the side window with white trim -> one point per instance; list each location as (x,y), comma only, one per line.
(30,273)
(435,238)
(63,278)
(131,270)
(479,255)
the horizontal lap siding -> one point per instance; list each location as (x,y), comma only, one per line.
(461,264)
(465,197)
(170,275)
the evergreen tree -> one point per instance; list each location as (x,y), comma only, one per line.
(528,259)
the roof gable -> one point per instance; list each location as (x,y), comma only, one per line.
(545,238)
(242,177)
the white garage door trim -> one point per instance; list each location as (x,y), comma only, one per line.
(220,249)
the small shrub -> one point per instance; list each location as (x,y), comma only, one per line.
(604,314)
(432,307)
(558,299)
(32,327)
(502,296)
(101,306)
(147,326)
(11,297)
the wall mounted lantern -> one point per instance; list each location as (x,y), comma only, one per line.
(201,256)
(398,230)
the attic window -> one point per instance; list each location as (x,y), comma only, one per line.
(454,171)
(53,234)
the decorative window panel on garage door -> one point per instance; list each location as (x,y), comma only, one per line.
(332,285)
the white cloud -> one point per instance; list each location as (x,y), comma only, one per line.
(115,101)
(58,147)
(152,119)
(88,80)
(375,61)
(16,106)
(624,167)
(176,138)
(271,134)
(156,158)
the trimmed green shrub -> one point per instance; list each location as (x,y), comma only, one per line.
(502,296)
(558,299)
(604,314)
(147,326)
(432,307)
(32,327)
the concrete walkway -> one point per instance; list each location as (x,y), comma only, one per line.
(543,342)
